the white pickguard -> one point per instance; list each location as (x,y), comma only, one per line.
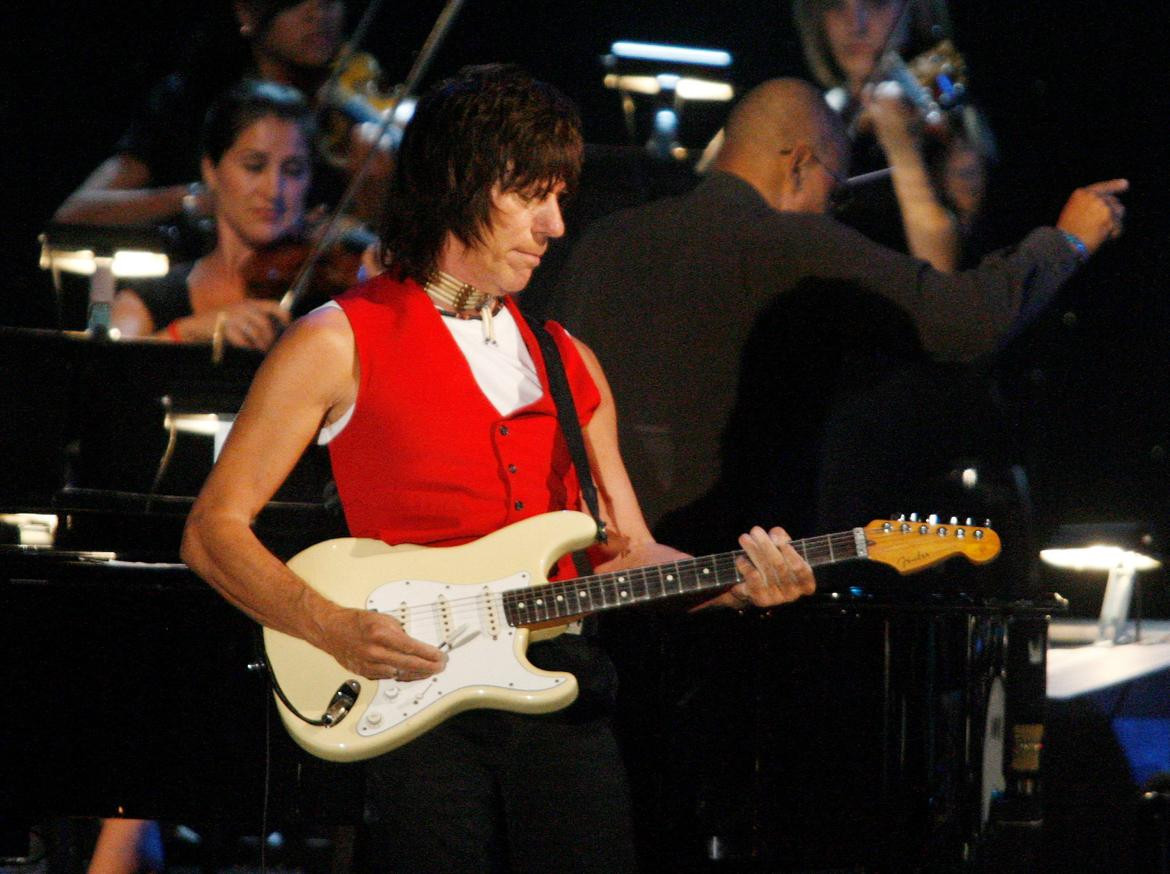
(483,659)
(486,666)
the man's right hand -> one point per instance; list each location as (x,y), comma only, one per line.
(1094,214)
(375,646)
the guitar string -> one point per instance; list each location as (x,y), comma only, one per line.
(599,584)
(817,550)
(594,586)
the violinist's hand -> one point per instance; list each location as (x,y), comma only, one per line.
(254,324)
(895,122)
(773,572)
(249,324)
(1095,213)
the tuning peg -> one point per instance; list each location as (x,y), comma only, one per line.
(969,522)
(986,523)
(913,517)
(932,519)
(954,520)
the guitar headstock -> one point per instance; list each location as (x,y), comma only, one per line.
(909,545)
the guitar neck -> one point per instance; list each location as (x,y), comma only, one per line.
(568,599)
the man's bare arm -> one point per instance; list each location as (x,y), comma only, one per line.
(307,378)
(775,574)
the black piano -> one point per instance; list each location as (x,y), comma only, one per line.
(876,726)
(130,687)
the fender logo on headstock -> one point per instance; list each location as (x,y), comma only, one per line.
(911,561)
(913,546)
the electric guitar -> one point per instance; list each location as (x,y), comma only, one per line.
(481,601)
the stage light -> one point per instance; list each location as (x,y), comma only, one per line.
(102,254)
(644,51)
(670,76)
(33,529)
(1120,549)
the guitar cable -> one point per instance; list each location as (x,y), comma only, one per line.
(343,699)
(284,700)
(267,778)
(347,693)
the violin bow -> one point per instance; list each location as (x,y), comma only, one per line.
(421,62)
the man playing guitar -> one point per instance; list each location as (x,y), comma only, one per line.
(433,396)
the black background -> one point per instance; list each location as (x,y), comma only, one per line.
(1076,91)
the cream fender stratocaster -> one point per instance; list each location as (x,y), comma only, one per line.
(481,600)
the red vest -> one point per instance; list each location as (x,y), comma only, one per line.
(426,458)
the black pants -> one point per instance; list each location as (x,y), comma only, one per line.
(490,791)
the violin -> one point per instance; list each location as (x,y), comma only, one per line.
(935,81)
(271,271)
(355,93)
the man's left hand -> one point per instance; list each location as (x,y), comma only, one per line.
(773,572)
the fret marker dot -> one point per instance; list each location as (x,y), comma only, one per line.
(521,605)
(621,579)
(560,597)
(624,594)
(582,594)
(706,570)
(670,578)
(540,602)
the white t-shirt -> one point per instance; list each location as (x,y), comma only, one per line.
(503,369)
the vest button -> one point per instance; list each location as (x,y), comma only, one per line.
(519,505)
(512,468)
(504,430)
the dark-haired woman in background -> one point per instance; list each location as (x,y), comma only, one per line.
(256,167)
(152,177)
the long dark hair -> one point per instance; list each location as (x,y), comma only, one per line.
(249,101)
(488,125)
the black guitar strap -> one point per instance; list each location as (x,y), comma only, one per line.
(558,384)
